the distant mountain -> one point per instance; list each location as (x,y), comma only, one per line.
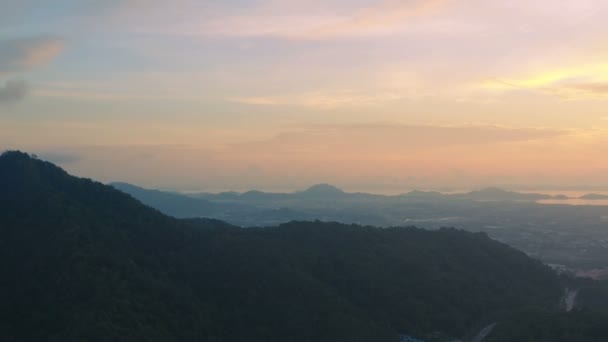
(428,195)
(322,192)
(255,195)
(319,192)
(324,188)
(239,209)
(178,205)
(497,194)
(594,197)
(170,203)
(82,261)
(329,203)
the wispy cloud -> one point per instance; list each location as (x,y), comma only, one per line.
(599,89)
(371,140)
(296,19)
(579,82)
(24,54)
(18,55)
(388,17)
(327,100)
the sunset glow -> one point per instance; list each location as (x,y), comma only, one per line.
(278,95)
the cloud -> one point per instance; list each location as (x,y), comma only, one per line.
(13,91)
(327,100)
(357,153)
(371,140)
(295,19)
(594,88)
(28,53)
(385,18)
(576,82)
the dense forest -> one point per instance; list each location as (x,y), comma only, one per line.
(541,325)
(82,261)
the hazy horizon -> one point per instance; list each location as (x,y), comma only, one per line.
(155,108)
(379,189)
(385,95)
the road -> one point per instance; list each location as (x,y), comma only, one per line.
(570,299)
(484,333)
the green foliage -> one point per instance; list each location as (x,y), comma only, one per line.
(542,325)
(593,295)
(82,261)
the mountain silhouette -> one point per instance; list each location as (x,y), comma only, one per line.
(83,261)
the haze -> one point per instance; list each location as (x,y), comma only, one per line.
(200,95)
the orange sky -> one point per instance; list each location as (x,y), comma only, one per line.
(367,94)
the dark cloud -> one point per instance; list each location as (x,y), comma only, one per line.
(17,55)
(13,91)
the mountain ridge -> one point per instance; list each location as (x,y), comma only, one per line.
(84,261)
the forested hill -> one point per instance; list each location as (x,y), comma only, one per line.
(82,261)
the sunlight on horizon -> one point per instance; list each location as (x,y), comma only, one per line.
(386,96)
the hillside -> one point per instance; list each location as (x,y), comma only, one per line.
(84,261)
(539,325)
(178,205)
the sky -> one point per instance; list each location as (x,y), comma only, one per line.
(379,96)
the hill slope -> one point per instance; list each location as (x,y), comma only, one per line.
(84,261)
(178,205)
